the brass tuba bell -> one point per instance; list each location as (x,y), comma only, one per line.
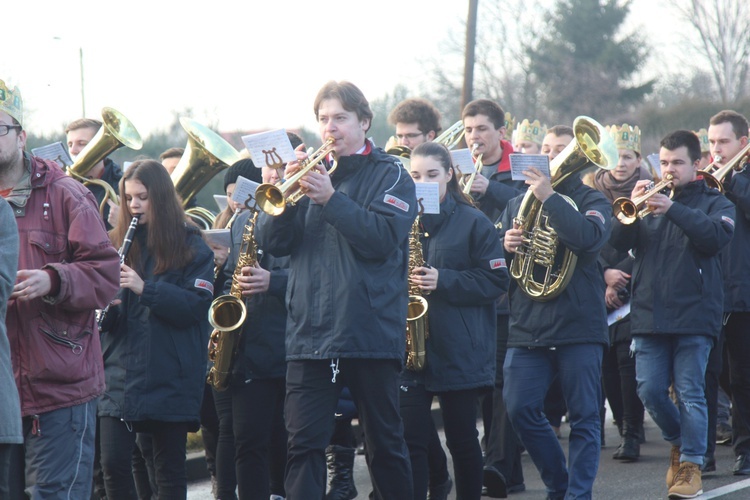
(116,131)
(540,251)
(206,154)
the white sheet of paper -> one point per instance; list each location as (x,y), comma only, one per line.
(270,149)
(429,194)
(463,161)
(618,314)
(653,160)
(520,162)
(55,152)
(221,201)
(218,236)
(244,190)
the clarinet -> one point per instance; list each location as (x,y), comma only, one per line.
(122,252)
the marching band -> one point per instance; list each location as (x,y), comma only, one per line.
(364,282)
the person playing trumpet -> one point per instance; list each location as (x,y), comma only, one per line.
(677,302)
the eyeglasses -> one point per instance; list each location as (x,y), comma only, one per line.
(5,129)
(408,136)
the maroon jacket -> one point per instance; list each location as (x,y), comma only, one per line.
(55,349)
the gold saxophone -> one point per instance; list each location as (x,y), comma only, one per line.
(417,328)
(228,312)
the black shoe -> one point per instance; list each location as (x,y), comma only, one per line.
(340,473)
(629,449)
(709,464)
(741,465)
(441,491)
(495,482)
(723,434)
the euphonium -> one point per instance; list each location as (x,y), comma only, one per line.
(468,180)
(206,154)
(228,312)
(417,329)
(628,211)
(714,176)
(273,199)
(592,145)
(116,131)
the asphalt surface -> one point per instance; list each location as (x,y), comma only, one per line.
(642,480)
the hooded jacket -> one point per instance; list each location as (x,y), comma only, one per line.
(578,314)
(54,341)
(349,258)
(462,244)
(677,282)
(155,345)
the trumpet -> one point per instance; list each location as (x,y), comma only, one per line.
(273,199)
(714,175)
(467,180)
(628,211)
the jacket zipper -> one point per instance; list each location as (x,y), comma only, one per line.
(75,347)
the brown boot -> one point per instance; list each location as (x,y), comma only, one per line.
(674,465)
(687,481)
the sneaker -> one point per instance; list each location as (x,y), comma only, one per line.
(723,434)
(674,465)
(687,482)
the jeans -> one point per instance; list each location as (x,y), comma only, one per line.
(682,359)
(117,444)
(460,421)
(312,393)
(528,374)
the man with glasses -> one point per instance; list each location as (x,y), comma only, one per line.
(67,270)
(416,121)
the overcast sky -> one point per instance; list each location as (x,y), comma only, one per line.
(241,65)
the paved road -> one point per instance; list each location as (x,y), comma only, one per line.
(615,481)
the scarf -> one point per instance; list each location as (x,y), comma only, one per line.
(605,183)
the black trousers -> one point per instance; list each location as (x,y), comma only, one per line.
(713,373)
(460,419)
(503,446)
(312,394)
(5,454)
(255,411)
(620,386)
(737,331)
(117,442)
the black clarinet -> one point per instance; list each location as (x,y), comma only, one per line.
(122,252)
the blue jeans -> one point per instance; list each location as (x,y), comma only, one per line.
(528,374)
(662,359)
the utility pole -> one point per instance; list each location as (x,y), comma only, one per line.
(471,39)
(83,98)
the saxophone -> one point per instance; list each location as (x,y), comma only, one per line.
(228,312)
(417,328)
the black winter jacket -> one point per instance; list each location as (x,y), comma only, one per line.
(155,345)
(578,314)
(677,282)
(349,260)
(735,258)
(261,352)
(462,244)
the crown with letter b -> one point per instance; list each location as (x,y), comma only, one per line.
(530,132)
(626,137)
(703,137)
(11,102)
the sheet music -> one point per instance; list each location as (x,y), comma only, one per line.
(55,152)
(270,149)
(429,193)
(463,161)
(520,162)
(244,190)
(618,314)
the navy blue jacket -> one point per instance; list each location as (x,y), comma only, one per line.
(155,345)
(677,282)
(261,352)
(111,175)
(462,244)
(735,258)
(349,261)
(578,314)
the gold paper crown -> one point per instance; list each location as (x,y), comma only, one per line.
(531,132)
(626,137)
(703,137)
(11,102)
(510,123)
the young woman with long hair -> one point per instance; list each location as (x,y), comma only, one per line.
(464,273)
(155,335)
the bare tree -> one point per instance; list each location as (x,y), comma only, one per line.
(723,27)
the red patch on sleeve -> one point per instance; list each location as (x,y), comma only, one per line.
(206,285)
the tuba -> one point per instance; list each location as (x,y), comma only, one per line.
(273,199)
(592,145)
(417,329)
(228,312)
(116,131)
(714,175)
(206,154)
